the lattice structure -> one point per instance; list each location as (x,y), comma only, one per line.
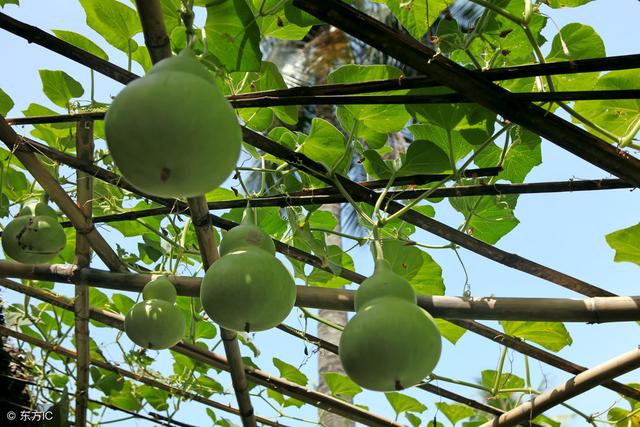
(466,86)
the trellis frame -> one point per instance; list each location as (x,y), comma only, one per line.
(409,52)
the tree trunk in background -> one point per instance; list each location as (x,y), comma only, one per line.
(329,362)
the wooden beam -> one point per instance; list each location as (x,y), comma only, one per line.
(579,384)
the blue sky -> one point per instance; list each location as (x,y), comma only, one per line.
(564,231)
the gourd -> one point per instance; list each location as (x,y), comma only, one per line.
(156,322)
(391,343)
(248,288)
(34,236)
(172,133)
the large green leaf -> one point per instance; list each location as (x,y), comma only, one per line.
(424,157)
(290,372)
(403,403)
(82,42)
(506,380)
(341,385)
(60,87)
(380,118)
(325,144)
(488,218)
(448,140)
(336,259)
(414,265)
(551,335)
(455,412)
(114,21)
(233,36)
(523,154)
(626,243)
(617,116)
(449,331)
(268,78)
(6,2)
(416,16)
(6,103)
(576,41)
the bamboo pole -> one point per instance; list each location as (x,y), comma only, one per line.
(84,182)
(60,197)
(579,384)
(162,385)
(588,310)
(209,358)
(157,39)
(418,56)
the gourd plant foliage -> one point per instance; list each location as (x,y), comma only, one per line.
(444,139)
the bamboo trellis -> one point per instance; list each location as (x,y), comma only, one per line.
(467,87)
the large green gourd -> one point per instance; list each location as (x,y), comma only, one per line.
(248,290)
(160,288)
(155,324)
(246,234)
(383,282)
(33,239)
(389,345)
(172,133)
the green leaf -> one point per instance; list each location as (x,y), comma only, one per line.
(156,397)
(522,156)
(380,118)
(551,335)
(403,403)
(116,22)
(233,36)
(506,381)
(489,217)
(122,303)
(423,157)
(205,330)
(576,41)
(617,116)
(325,144)
(59,87)
(626,243)
(341,385)
(6,103)
(290,372)
(124,398)
(413,419)
(557,4)
(6,2)
(455,412)
(336,259)
(82,42)
(416,16)
(416,266)
(442,138)
(269,78)
(450,331)
(323,219)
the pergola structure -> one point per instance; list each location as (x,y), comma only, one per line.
(467,86)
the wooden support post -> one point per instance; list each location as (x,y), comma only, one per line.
(565,391)
(84,182)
